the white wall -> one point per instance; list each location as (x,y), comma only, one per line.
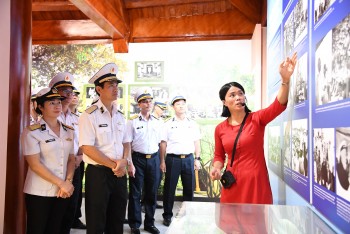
(256,64)
(5,11)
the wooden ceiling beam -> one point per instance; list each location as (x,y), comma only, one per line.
(251,9)
(71,42)
(105,16)
(129,4)
(219,26)
(54,6)
(264,13)
(121,46)
(66,30)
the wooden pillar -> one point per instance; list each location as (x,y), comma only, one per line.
(18,113)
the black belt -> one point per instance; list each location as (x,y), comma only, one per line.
(145,155)
(179,155)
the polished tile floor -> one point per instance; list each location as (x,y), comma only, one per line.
(158,220)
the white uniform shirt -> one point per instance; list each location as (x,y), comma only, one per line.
(143,134)
(104,132)
(54,152)
(72,119)
(180,135)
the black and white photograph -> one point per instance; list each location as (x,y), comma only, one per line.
(120,92)
(286,149)
(149,71)
(323,66)
(300,146)
(274,149)
(160,93)
(300,20)
(340,83)
(300,79)
(288,36)
(90,92)
(323,152)
(343,162)
(332,66)
(320,7)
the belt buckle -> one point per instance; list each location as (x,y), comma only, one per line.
(182,156)
(148,156)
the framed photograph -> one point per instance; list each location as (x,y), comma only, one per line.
(160,93)
(149,71)
(89,96)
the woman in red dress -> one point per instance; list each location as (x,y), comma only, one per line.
(249,167)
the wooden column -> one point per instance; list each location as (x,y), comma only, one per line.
(18,113)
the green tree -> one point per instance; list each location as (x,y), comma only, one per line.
(80,60)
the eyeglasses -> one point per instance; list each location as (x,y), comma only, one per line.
(66,91)
(146,101)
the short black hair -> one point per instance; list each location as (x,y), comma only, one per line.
(40,102)
(102,85)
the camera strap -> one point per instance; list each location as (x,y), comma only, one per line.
(236,141)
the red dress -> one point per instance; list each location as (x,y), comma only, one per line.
(249,166)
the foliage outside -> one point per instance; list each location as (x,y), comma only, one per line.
(199,78)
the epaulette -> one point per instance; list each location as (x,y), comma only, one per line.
(67,126)
(155,117)
(120,112)
(75,114)
(167,119)
(134,117)
(34,127)
(91,109)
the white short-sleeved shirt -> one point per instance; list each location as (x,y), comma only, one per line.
(180,135)
(72,119)
(107,133)
(143,134)
(54,152)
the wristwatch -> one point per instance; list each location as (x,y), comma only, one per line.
(197,158)
(129,161)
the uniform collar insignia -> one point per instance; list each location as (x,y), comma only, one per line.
(43,127)
(140,117)
(102,110)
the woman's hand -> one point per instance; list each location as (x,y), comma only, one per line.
(66,189)
(286,68)
(215,173)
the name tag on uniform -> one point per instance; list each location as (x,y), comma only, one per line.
(50,140)
(139,127)
(103,125)
(69,139)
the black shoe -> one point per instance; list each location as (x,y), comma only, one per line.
(135,231)
(125,221)
(167,222)
(152,229)
(78,225)
(159,206)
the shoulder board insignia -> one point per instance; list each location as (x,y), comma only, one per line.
(91,109)
(120,112)
(75,114)
(167,119)
(34,127)
(67,126)
(155,117)
(134,117)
